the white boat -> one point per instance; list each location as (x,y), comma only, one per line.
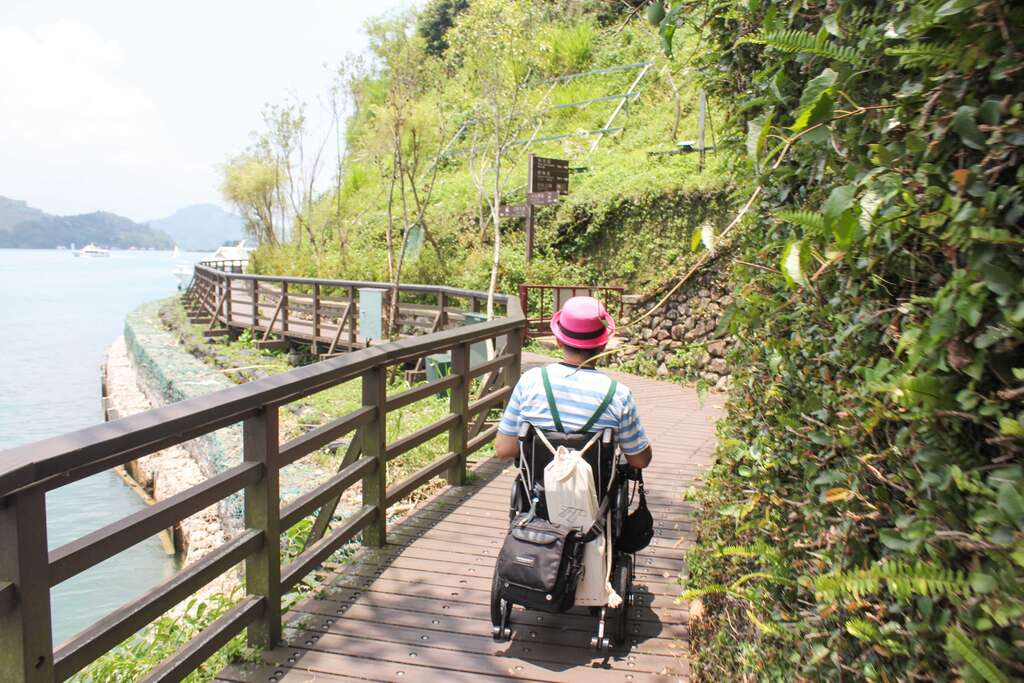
(236,252)
(93,250)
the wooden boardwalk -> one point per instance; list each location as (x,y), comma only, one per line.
(417,609)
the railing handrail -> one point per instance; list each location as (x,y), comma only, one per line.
(325,282)
(63,459)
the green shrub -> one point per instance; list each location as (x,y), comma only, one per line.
(874,438)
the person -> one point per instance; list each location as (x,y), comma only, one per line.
(582,329)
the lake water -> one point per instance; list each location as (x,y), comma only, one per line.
(59,314)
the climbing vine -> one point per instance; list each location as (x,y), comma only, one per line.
(864,519)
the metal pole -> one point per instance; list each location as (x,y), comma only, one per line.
(529,210)
(701,114)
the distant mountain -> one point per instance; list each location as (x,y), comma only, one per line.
(201,227)
(24,227)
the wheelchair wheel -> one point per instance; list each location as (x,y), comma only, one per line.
(623,584)
(501,612)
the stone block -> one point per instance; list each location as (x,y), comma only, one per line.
(717,348)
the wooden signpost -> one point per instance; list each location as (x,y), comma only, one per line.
(546,181)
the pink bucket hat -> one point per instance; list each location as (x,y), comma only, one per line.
(583,323)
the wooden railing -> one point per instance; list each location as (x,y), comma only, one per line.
(322,313)
(539,302)
(28,570)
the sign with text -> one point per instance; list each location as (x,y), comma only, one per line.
(549,197)
(513,210)
(549,175)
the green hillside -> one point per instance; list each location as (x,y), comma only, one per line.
(632,206)
(23,227)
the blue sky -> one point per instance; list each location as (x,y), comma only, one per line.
(130,106)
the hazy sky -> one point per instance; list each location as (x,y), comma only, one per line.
(129,106)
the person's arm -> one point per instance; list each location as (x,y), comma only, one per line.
(506,444)
(632,439)
(506,447)
(639,460)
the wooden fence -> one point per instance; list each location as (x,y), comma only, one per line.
(323,313)
(28,570)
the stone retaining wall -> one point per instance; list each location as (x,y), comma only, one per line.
(679,338)
(148,368)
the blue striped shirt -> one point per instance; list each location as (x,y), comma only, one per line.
(578,393)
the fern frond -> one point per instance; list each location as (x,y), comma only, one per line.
(767,627)
(927,53)
(793,41)
(862,629)
(958,643)
(756,551)
(713,589)
(900,579)
(808,219)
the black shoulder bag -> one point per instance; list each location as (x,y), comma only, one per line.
(638,526)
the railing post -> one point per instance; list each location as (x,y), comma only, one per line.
(514,346)
(352,317)
(263,512)
(284,307)
(255,306)
(26,644)
(442,311)
(227,300)
(316,318)
(459,406)
(375,484)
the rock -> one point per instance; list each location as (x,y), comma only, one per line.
(710,377)
(672,313)
(664,344)
(717,348)
(663,370)
(726,300)
(647,333)
(722,384)
(718,365)
(659,356)
(663,334)
(678,331)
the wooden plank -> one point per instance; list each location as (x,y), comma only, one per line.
(312,557)
(213,637)
(419,437)
(262,513)
(403,488)
(490,400)
(319,437)
(75,557)
(375,446)
(326,512)
(409,396)
(86,646)
(26,646)
(332,488)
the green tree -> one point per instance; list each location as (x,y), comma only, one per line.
(491,45)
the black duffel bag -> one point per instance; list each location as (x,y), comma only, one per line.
(539,564)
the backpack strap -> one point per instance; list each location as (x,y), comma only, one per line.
(601,408)
(554,408)
(551,400)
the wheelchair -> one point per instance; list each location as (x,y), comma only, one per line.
(603,457)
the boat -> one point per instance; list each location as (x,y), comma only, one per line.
(236,252)
(176,253)
(93,250)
